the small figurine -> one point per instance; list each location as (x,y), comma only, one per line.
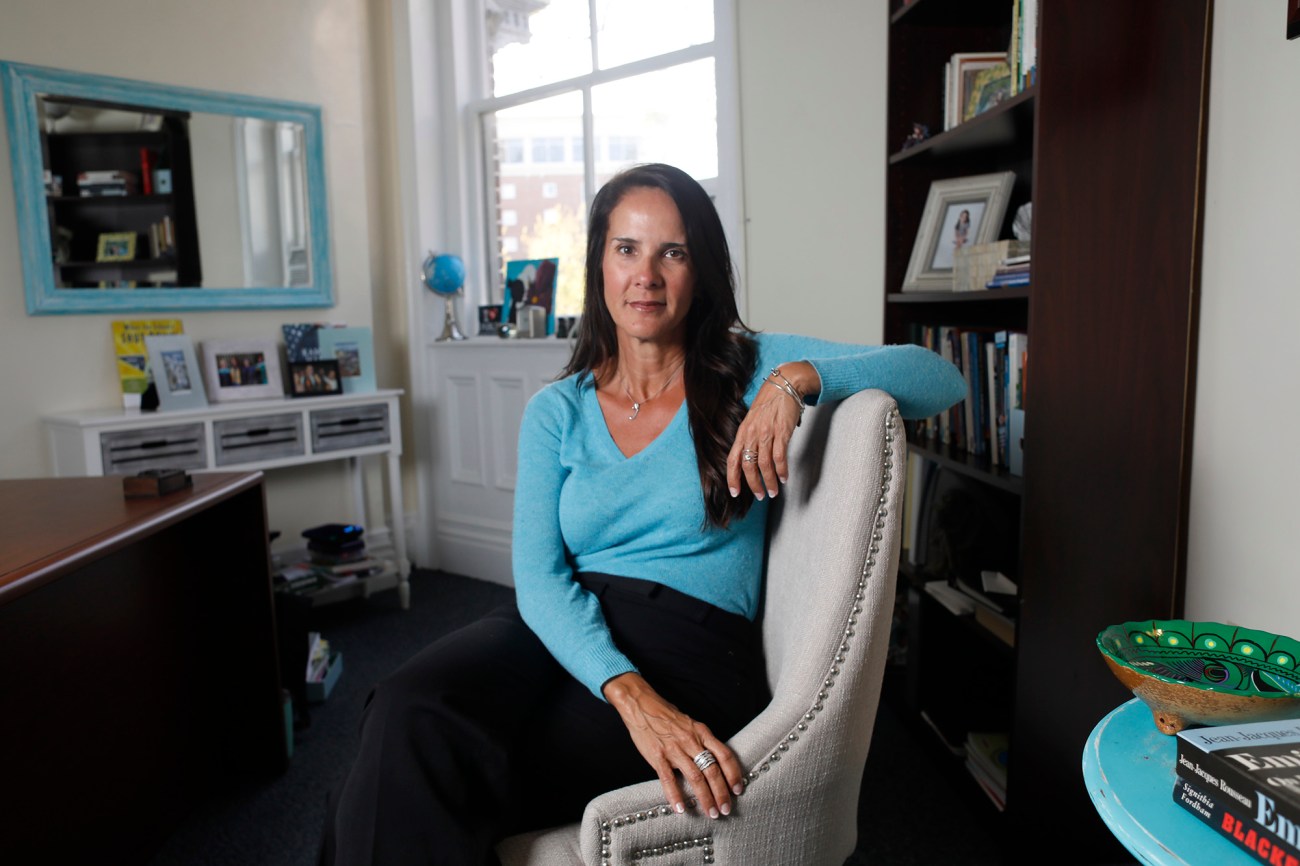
(920,132)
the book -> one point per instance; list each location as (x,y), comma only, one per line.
(953,599)
(986,759)
(1234,824)
(999,624)
(133,356)
(1254,766)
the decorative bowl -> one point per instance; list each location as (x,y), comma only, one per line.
(1204,673)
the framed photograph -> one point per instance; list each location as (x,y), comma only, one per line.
(958,211)
(241,370)
(318,378)
(176,373)
(115,247)
(489,320)
(961,71)
(354,351)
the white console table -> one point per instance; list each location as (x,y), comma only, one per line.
(243,435)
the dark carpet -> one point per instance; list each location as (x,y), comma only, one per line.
(915,808)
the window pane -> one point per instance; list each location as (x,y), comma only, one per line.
(667,116)
(548,209)
(628,31)
(554,45)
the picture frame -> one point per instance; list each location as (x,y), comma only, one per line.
(958,211)
(176,372)
(962,69)
(531,283)
(353,349)
(242,370)
(319,378)
(489,320)
(115,247)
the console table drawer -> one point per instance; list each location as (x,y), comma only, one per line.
(350,427)
(250,440)
(127,452)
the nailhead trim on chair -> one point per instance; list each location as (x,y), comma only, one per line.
(705,843)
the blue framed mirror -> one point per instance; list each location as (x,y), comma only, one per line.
(139,197)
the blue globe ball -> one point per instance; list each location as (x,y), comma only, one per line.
(444,274)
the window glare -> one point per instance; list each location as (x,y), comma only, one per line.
(667,116)
(628,31)
(558,48)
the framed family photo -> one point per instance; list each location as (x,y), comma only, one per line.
(176,372)
(959,212)
(319,378)
(115,247)
(242,370)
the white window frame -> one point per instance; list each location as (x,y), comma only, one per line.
(725,188)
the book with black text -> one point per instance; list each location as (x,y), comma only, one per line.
(1235,824)
(1255,766)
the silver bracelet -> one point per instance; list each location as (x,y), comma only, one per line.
(788,387)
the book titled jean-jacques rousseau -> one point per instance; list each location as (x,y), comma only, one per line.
(1253,768)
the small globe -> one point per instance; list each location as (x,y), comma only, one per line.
(444,274)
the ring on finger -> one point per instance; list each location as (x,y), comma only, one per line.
(704,760)
(749,455)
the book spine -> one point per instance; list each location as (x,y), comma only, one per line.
(1274,807)
(1233,825)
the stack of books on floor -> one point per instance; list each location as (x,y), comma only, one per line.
(986,760)
(1243,780)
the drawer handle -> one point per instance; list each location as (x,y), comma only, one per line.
(153,443)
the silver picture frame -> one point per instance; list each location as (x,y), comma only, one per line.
(959,211)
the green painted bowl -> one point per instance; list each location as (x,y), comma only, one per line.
(1204,673)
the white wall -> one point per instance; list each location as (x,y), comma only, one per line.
(1245,475)
(315,51)
(812,99)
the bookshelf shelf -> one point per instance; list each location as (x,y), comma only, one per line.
(1100,519)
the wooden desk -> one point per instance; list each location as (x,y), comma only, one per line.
(138,665)
(1128,766)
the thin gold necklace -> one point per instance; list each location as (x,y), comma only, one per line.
(636,405)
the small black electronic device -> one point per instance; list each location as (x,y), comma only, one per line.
(155,482)
(334,533)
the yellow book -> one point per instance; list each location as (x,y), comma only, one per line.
(133,357)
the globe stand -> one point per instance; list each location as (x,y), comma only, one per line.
(450,328)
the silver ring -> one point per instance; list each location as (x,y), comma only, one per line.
(749,456)
(704,760)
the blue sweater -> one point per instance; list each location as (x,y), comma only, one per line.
(581,506)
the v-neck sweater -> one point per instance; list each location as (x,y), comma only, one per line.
(581,505)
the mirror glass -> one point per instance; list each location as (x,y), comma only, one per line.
(136,196)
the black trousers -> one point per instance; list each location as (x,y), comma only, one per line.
(483,734)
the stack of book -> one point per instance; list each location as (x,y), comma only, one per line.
(1243,780)
(986,760)
(338,552)
(1011,271)
(101,183)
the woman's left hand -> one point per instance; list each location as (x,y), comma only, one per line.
(766,431)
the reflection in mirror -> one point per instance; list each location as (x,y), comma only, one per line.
(133,196)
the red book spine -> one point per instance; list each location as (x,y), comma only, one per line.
(146,171)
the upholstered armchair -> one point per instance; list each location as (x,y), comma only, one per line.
(832,562)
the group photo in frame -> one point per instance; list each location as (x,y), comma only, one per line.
(242,370)
(176,372)
(319,378)
(959,212)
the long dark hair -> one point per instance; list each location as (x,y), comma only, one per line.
(720,353)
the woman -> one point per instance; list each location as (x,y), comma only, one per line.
(643,480)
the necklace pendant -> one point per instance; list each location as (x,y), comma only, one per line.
(636,410)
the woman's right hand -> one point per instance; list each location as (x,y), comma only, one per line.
(669,740)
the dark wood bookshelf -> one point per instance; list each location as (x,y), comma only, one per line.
(1109,145)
